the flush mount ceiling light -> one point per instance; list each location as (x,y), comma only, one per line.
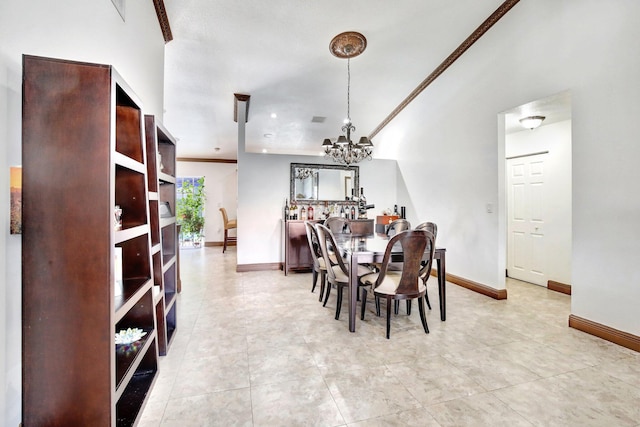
(348,45)
(532,122)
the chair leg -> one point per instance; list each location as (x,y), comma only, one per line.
(422,315)
(377,306)
(396,307)
(339,302)
(323,282)
(364,302)
(426,294)
(315,280)
(388,317)
(224,244)
(408,307)
(326,295)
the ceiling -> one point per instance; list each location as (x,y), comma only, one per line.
(554,109)
(278,53)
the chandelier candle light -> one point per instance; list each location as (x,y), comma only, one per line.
(348,45)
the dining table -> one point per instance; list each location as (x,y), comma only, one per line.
(366,249)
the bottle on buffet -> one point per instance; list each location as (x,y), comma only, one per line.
(303,213)
(310,213)
(286,209)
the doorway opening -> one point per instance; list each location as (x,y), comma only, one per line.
(536,214)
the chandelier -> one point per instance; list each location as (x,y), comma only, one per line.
(348,45)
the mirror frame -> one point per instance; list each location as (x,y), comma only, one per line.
(294,166)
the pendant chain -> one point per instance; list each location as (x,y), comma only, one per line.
(348,88)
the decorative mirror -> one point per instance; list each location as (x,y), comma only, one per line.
(323,183)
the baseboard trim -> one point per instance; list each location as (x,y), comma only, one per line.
(559,287)
(241,268)
(607,333)
(208,244)
(474,286)
(478,287)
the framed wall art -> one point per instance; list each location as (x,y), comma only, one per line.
(15,182)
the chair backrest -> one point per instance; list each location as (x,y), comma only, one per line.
(329,246)
(361,227)
(414,244)
(429,226)
(225,219)
(337,225)
(314,243)
(397,226)
(425,270)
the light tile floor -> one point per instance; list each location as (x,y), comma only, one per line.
(258,349)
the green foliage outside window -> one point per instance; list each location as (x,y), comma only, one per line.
(190,210)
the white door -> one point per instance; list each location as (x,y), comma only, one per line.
(526,212)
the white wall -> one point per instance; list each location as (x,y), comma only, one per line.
(263,186)
(78,30)
(556,139)
(451,159)
(221,190)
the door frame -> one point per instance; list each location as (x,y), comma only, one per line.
(502,121)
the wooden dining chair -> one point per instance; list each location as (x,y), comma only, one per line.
(319,264)
(425,269)
(337,225)
(229,224)
(361,228)
(397,226)
(337,267)
(404,284)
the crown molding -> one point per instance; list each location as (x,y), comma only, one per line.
(163,19)
(469,41)
(205,160)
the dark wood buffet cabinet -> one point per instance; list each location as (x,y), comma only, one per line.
(297,255)
(86,276)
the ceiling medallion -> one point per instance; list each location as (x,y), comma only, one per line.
(348,44)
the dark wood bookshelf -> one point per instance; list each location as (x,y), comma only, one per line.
(161,169)
(77,166)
